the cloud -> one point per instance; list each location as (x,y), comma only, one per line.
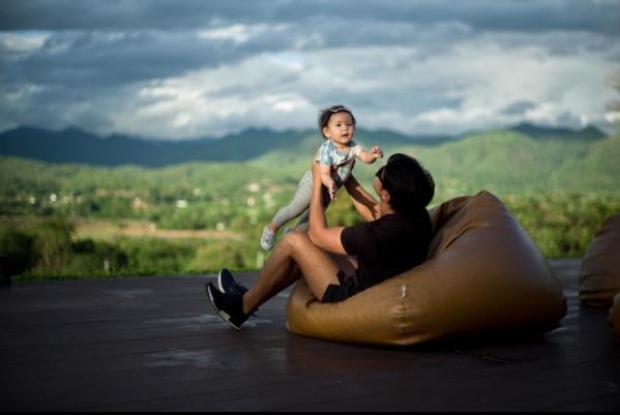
(184,69)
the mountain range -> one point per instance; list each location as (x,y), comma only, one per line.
(73,145)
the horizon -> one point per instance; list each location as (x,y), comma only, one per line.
(428,137)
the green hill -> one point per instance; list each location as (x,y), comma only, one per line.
(73,145)
(596,169)
(560,189)
(501,161)
(508,162)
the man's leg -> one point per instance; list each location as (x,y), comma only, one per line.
(295,256)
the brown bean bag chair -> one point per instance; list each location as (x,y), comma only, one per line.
(599,277)
(483,274)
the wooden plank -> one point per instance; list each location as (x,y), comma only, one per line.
(155,344)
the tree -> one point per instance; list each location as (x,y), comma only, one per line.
(17,247)
(52,244)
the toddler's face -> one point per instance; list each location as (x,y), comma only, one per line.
(339,128)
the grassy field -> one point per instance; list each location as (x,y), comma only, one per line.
(100,229)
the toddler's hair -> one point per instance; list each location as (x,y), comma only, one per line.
(325,115)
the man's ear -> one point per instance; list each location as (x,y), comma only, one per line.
(385,196)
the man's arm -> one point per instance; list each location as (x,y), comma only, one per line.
(319,233)
(363,201)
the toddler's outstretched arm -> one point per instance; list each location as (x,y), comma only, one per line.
(370,155)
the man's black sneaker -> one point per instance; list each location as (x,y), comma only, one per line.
(228,306)
(227,283)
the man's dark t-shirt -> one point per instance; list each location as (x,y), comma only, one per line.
(388,246)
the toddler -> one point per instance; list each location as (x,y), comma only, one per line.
(336,158)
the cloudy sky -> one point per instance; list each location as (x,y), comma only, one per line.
(180,69)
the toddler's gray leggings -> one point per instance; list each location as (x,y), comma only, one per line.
(300,203)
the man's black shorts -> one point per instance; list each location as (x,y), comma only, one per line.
(349,286)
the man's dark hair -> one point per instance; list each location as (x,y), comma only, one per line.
(325,115)
(410,185)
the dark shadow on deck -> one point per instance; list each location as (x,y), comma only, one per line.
(154,344)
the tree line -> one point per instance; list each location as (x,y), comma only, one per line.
(46,247)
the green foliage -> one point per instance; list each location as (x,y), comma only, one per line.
(52,244)
(508,163)
(41,246)
(563,226)
(559,190)
(97,258)
(17,246)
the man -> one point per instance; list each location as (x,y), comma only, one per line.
(339,262)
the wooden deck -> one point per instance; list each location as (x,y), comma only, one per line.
(154,344)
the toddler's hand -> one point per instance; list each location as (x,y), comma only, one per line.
(330,184)
(332,190)
(376,151)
